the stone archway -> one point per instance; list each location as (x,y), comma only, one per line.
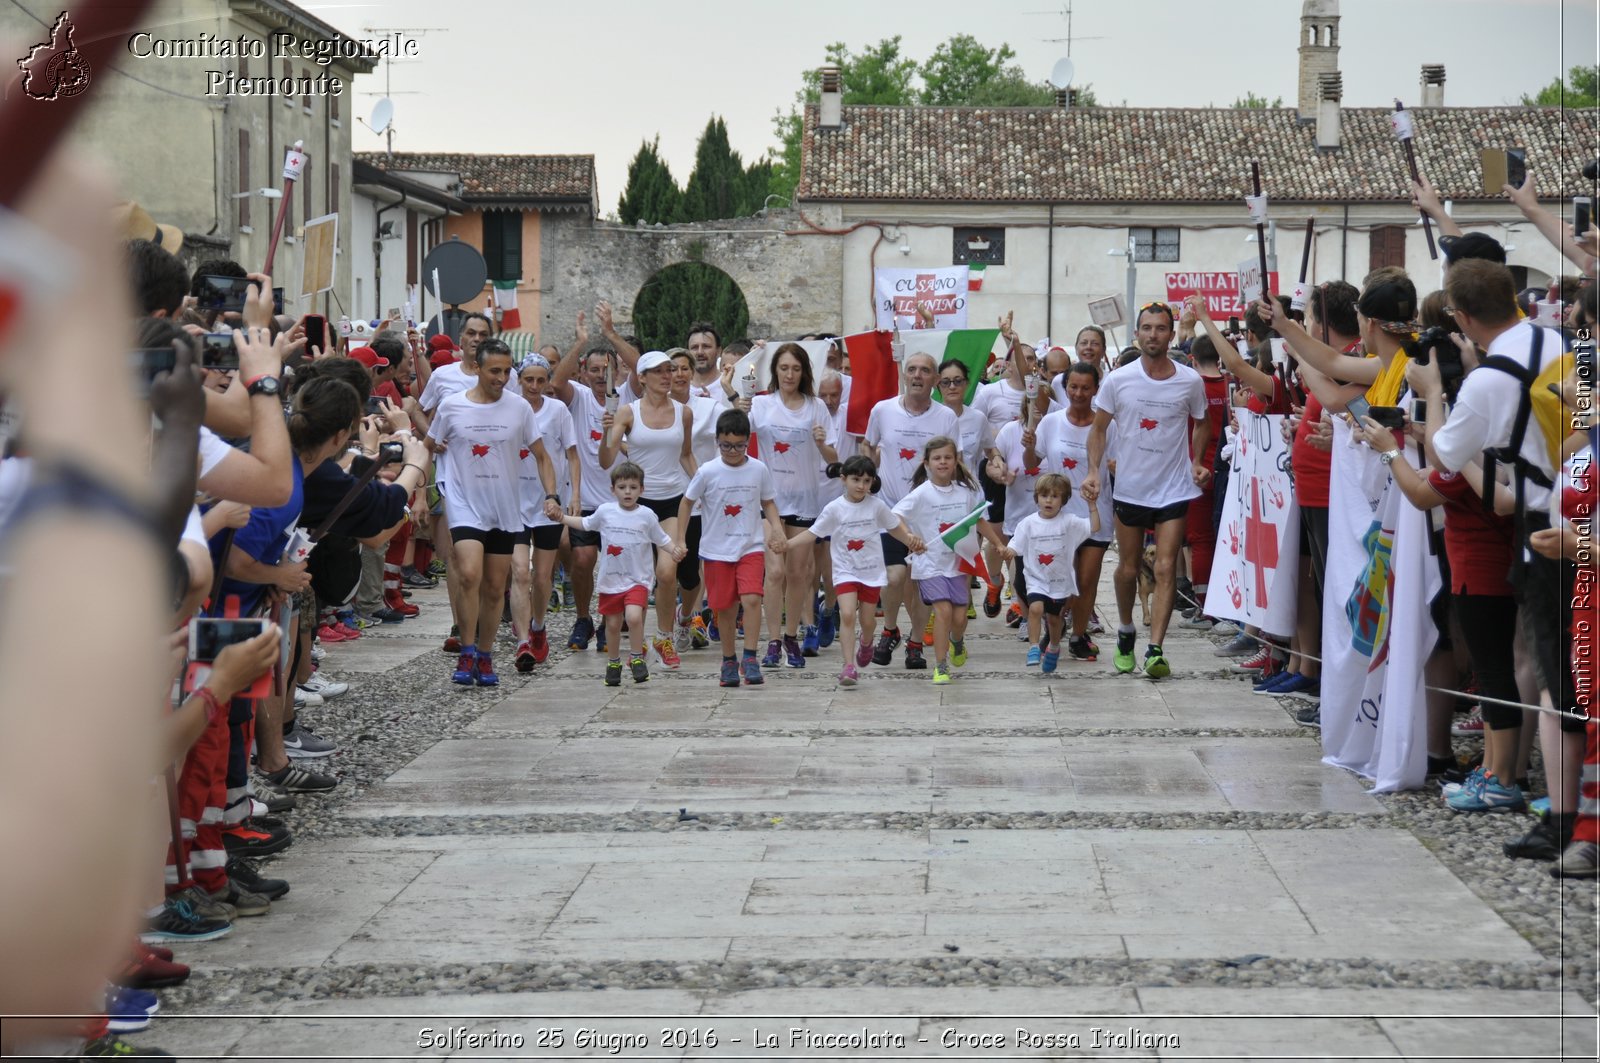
(678,295)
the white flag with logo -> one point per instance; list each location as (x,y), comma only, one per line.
(900,294)
(1257,562)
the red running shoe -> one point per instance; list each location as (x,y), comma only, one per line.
(332,633)
(525,661)
(539,642)
(394,600)
(149,971)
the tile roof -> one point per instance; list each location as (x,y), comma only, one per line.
(1194,155)
(500,177)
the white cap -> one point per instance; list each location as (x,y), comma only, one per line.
(650,360)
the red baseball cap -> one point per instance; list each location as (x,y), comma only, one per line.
(441,342)
(367,357)
(442,358)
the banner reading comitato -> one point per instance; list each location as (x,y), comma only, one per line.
(1220,289)
(898,293)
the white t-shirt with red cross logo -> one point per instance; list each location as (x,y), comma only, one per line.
(855,546)
(1153,418)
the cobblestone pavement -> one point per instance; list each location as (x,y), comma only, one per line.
(1121,868)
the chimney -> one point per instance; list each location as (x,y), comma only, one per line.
(830,114)
(1063,98)
(1433,85)
(1319,53)
(1330,88)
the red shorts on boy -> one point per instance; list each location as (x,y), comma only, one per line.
(864,594)
(612,604)
(727,581)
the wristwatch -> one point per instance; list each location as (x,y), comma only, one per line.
(1388,456)
(262,385)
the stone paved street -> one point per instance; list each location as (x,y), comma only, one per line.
(945,866)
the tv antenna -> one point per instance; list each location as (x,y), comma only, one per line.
(1066,13)
(382,120)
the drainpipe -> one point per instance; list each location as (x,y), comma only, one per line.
(377,252)
(1344,244)
(1050,274)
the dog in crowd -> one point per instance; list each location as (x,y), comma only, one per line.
(1147,581)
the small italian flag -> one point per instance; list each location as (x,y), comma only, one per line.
(962,537)
(975,276)
(505,304)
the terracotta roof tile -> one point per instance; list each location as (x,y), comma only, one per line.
(500,177)
(1130,155)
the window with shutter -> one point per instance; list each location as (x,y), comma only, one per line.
(1388,247)
(502,244)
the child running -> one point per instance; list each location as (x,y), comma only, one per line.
(736,498)
(627,567)
(1047,544)
(853,524)
(944,494)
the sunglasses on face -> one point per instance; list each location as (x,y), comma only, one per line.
(952,381)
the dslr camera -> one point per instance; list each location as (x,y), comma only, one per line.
(391,453)
(1436,343)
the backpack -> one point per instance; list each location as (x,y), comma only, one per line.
(1539,406)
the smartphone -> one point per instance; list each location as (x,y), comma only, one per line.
(316,333)
(1582,209)
(223,294)
(1233,325)
(277,300)
(1419,411)
(374,405)
(1501,167)
(209,636)
(1388,416)
(218,352)
(1358,408)
(151,362)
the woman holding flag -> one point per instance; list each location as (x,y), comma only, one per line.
(947,510)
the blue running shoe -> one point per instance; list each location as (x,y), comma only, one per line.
(752,670)
(129,1010)
(466,664)
(1034,656)
(1049,659)
(826,631)
(810,641)
(582,632)
(730,672)
(1271,683)
(1298,686)
(483,671)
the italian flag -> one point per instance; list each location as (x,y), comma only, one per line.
(975,276)
(505,304)
(874,376)
(962,537)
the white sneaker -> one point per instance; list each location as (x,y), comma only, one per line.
(306,699)
(317,652)
(682,635)
(327,688)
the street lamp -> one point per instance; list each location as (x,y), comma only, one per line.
(1133,271)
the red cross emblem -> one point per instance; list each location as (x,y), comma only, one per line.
(1260,542)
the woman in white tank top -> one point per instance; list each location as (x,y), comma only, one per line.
(796,439)
(655,430)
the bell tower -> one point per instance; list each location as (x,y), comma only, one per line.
(1319,52)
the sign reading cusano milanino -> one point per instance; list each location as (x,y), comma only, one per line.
(902,294)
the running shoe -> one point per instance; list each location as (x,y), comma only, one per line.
(296,780)
(1035,655)
(113,1047)
(1267,684)
(941,676)
(811,641)
(666,652)
(883,653)
(146,970)
(566,594)
(524,661)
(582,632)
(302,743)
(321,685)
(730,672)
(914,659)
(303,700)
(452,644)
(640,670)
(1155,665)
(1049,659)
(1122,660)
(600,640)
(330,633)
(1014,615)
(773,655)
(1490,795)
(246,873)
(682,634)
(991,602)
(752,671)
(178,921)
(1241,645)
(248,839)
(437,568)
(958,653)
(614,673)
(412,578)
(699,639)
(245,902)
(792,654)
(1082,649)
(129,1010)
(462,676)
(1298,686)
(827,631)
(483,670)
(849,676)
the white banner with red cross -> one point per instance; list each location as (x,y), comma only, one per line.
(904,297)
(1257,562)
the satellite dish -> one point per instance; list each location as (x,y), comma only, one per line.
(382,115)
(461,271)
(1061,74)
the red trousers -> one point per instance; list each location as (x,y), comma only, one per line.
(202,792)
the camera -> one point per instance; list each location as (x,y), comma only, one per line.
(217,351)
(1433,343)
(390,453)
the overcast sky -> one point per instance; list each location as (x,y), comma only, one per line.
(598,77)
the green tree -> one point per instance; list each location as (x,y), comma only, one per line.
(1251,102)
(683,293)
(962,72)
(717,186)
(1582,89)
(652,195)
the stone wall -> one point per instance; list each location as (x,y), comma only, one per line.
(791,283)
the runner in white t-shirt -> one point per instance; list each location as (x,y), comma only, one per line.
(834,391)
(541,536)
(897,431)
(486,428)
(580,383)
(1062,447)
(1159,408)
(1045,546)
(795,437)
(852,526)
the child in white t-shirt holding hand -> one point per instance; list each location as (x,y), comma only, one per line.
(854,524)
(1046,542)
(627,568)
